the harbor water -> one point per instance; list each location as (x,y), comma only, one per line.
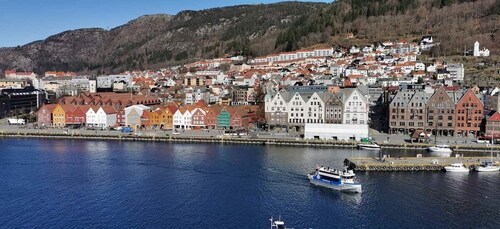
(87,184)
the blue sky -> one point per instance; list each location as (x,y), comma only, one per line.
(24,21)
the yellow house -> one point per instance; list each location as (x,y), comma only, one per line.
(167,119)
(154,118)
(59,116)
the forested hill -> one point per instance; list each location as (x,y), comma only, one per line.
(155,41)
(456,23)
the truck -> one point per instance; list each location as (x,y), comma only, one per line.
(127,129)
(15,121)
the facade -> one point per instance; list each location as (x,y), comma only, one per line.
(493,126)
(469,115)
(355,107)
(333,109)
(59,116)
(133,115)
(198,118)
(44,115)
(343,132)
(212,116)
(223,119)
(276,109)
(441,113)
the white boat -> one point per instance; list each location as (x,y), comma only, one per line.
(456,167)
(277,224)
(340,180)
(487,166)
(369,146)
(440,149)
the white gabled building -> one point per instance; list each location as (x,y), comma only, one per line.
(101,117)
(182,118)
(355,108)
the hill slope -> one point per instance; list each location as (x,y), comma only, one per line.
(158,40)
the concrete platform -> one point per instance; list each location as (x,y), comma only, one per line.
(411,163)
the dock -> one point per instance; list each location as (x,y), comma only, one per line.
(391,164)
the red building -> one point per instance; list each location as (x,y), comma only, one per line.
(468,114)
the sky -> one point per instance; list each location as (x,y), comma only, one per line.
(24,21)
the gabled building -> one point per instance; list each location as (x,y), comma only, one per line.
(276,109)
(355,108)
(212,116)
(441,113)
(493,126)
(44,115)
(469,114)
(333,108)
(224,119)
(133,115)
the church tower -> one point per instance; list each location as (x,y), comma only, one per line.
(476,49)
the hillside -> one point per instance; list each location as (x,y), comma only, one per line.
(457,24)
(158,40)
(155,41)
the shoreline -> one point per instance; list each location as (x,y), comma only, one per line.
(235,140)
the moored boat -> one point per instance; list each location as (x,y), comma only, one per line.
(369,146)
(340,180)
(487,166)
(456,167)
(444,149)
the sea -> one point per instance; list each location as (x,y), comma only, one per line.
(67,183)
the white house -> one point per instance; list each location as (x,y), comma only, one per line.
(101,117)
(182,118)
(355,108)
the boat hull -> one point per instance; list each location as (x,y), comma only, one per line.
(456,170)
(369,146)
(488,169)
(348,188)
(439,150)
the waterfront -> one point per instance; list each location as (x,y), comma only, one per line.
(59,183)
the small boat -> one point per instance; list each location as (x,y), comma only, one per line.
(440,149)
(369,146)
(340,180)
(456,167)
(487,166)
(277,224)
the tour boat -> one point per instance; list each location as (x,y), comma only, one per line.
(456,167)
(487,166)
(440,149)
(369,146)
(340,180)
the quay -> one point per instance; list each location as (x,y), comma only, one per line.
(262,139)
(391,164)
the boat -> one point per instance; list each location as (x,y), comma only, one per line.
(440,149)
(277,224)
(369,146)
(487,166)
(456,167)
(340,180)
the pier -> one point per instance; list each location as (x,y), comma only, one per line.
(391,164)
